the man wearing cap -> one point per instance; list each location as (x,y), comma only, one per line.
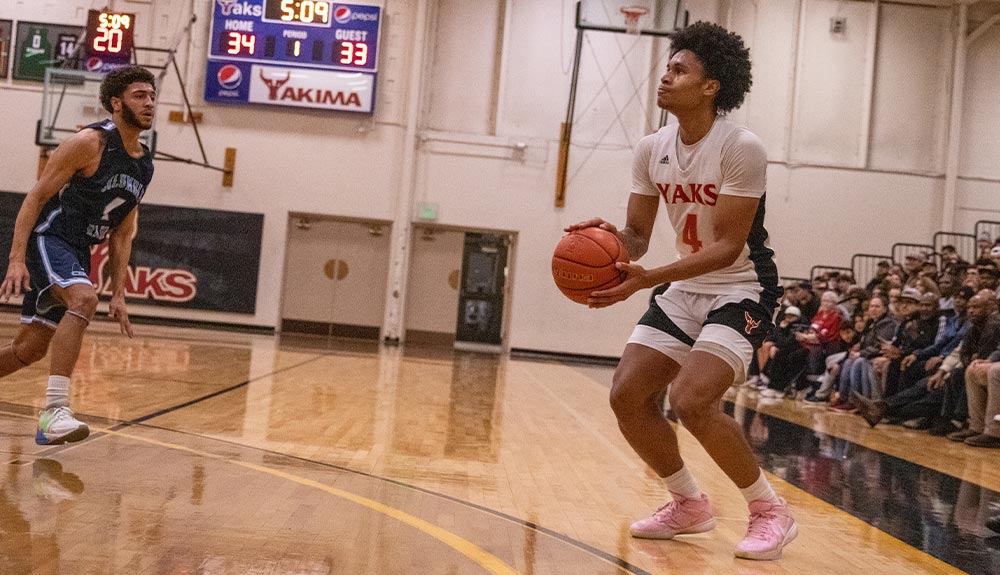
(916,331)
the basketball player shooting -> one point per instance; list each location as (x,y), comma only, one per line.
(699,335)
(90,189)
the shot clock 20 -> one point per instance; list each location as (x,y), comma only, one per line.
(110,39)
(302,53)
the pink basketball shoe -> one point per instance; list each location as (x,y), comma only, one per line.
(771,528)
(678,517)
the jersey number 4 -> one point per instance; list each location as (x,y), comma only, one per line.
(690,234)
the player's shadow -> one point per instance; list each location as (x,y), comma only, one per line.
(49,481)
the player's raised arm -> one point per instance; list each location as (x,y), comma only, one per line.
(69,158)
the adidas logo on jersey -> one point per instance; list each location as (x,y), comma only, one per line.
(665,159)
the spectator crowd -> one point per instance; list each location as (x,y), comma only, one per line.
(918,345)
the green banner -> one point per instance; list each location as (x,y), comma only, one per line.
(40,45)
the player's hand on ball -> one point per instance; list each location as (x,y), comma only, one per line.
(117,311)
(593,223)
(636,279)
(16,280)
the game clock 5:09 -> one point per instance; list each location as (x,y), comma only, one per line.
(309,12)
(110,34)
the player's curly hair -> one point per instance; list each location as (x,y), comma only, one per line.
(724,57)
(115,83)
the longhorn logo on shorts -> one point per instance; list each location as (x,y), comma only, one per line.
(230,77)
(751,324)
(342,14)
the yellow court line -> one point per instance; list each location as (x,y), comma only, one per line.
(486,560)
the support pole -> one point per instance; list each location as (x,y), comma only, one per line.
(566,130)
(955,121)
(393,325)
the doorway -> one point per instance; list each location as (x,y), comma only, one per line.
(336,272)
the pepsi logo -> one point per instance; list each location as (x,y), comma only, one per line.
(94,64)
(230,77)
(342,14)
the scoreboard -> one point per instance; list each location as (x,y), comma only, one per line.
(299,53)
(109,40)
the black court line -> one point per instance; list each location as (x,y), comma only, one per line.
(920,506)
(219,392)
(120,425)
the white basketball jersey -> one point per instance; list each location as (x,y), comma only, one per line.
(729,160)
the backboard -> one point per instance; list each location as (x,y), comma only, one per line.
(70,101)
(659,17)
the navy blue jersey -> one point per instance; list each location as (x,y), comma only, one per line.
(85,210)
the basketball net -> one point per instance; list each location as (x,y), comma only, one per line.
(632,15)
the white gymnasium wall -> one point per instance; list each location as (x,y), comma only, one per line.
(978,195)
(342,165)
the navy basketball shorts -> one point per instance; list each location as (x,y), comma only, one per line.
(51,261)
(731,327)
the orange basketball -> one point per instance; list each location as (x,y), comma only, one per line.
(584,262)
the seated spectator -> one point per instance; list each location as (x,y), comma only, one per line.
(922,401)
(947,286)
(786,357)
(949,255)
(982,380)
(807,301)
(881,271)
(856,374)
(984,243)
(912,264)
(844,283)
(825,324)
(988,274)
(852,301)
(929,270)
(835,354)
(820,284)
(911,371)
(916,331)
(995,255)
(971,278)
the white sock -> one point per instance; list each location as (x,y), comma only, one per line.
(57,393)
(760,489)
(682,483)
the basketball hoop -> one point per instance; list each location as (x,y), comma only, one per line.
(632,15)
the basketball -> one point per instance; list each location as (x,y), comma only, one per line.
(584,262)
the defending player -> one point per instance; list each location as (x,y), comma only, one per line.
(701,333)
(90,188)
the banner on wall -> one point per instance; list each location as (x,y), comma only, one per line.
(182,257)
(6,26)
(40,45)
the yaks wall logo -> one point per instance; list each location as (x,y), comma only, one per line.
(237,8)
(230,77)
(158,284)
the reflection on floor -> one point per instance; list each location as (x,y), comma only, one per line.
(227,453)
